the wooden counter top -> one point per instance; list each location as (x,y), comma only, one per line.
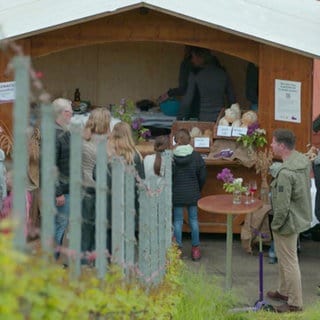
(213,223)
(146,147)
(221,162)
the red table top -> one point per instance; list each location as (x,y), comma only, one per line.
(222,204)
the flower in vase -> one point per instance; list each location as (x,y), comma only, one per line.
(230,184)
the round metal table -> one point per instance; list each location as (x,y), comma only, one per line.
(222,204)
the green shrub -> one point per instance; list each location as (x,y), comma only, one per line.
(32,287)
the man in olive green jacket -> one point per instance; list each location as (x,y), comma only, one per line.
(292,214)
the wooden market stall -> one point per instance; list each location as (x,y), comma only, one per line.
(145,23)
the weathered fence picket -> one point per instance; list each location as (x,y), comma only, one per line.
(165,209)
(118,200)
(144,235)
(153,225)
(3,185)
(167,198)
(101,210)
(48,177)
(20,150)
(130,214)
(75,218)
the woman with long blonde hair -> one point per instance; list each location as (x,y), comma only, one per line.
(121,144)
(97,129)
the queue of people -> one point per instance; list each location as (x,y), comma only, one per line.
(119,142)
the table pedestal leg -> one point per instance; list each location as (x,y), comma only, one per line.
(229,253)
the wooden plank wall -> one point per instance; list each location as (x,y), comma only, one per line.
(137,25)
(280,64)
(316,100)
(107,72)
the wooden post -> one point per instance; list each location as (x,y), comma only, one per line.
(75,218)
(118,211)
(167,194)
(101,209)
(20,151)
(3,185)
(229,253)
(144,235)
(165,211)
(48,178)
(163,226)
(154,229)
(129,218)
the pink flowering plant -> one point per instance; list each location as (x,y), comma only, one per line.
(230,184)
(125,112)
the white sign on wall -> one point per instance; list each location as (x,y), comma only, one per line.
(7,91)
(287,101)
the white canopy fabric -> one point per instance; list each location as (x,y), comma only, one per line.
(290,24)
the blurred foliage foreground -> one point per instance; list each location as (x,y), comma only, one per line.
(35,287)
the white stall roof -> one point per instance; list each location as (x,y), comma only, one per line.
(290,24)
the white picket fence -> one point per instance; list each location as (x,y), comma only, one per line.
(147,254)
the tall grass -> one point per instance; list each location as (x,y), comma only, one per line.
(203,298)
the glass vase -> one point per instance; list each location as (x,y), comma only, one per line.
(264,191)
(236,199)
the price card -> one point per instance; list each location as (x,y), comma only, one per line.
(237,131)
(201,142)
(224,131)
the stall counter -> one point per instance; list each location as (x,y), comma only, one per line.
(213,223)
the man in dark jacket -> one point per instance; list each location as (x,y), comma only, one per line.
(213,85)
(189,175)
(63,113)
